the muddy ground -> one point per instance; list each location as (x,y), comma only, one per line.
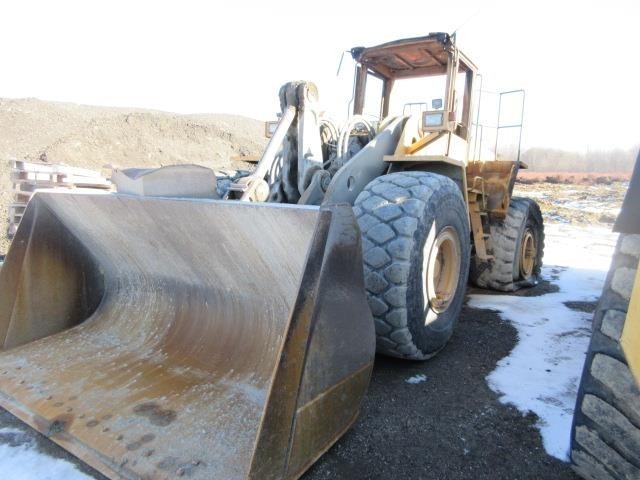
(451,426)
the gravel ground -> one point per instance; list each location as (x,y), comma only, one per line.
(450,425)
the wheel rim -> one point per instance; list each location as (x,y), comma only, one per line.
(528,253)
(443,269)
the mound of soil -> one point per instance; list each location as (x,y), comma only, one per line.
(92,137)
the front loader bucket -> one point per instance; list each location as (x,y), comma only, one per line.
(157,338)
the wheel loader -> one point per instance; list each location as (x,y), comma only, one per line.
(165,336)
(605,436)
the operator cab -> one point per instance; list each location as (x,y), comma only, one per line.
(423,67)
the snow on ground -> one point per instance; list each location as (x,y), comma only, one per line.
(542,372)
(21,460)
(419,378)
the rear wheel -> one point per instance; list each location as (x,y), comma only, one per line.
(605,438)
(518,243)
(415,237)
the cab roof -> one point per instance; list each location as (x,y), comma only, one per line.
(410,57)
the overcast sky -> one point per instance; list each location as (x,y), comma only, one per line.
(578,61)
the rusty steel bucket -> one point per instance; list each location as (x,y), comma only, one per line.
(161,338)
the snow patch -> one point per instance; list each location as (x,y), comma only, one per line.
(419,378)
(21,460)
(542,372)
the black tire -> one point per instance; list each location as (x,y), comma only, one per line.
(396,214)
(605,436)
(507,238)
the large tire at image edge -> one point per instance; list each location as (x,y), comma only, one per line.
(416,250)
(605,436)
(518,244)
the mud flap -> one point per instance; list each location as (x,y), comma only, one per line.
(162,338)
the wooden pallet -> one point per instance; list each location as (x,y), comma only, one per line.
(28,177)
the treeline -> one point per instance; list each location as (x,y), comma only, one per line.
(554,160)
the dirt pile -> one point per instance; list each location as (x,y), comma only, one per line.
(91,137)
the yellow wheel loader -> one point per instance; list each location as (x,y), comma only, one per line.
(605,437)
(159,337)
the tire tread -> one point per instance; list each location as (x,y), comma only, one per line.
(497,274)
(389,211)
(605,437)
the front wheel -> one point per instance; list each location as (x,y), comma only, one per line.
(416,251)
